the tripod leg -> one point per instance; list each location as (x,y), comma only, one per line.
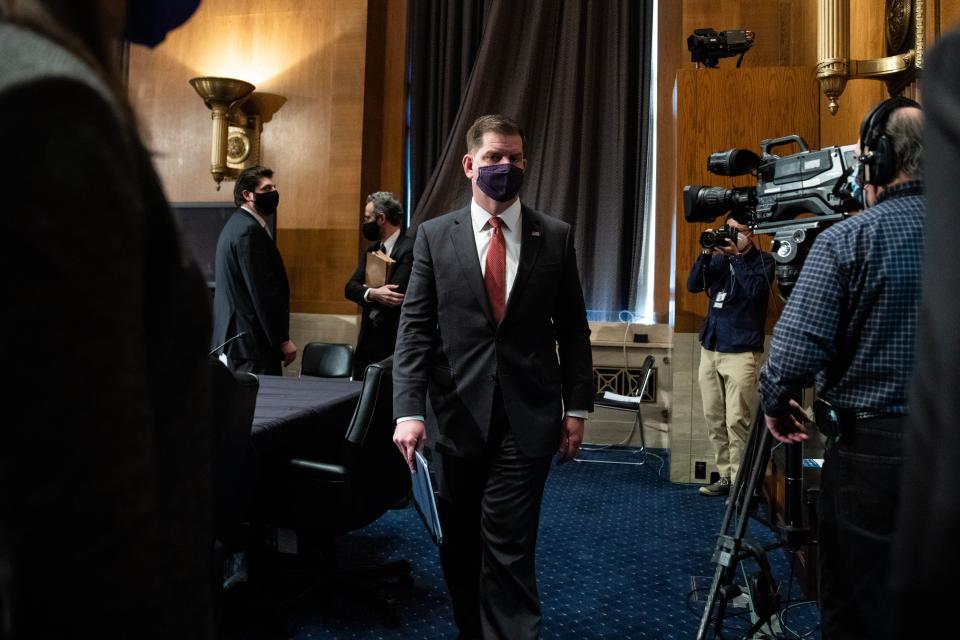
(727,552)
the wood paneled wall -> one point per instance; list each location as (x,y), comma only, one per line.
(720,109)
(326,140)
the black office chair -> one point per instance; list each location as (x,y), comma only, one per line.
(233,397)
(643,378)
(327,360)
(363,478)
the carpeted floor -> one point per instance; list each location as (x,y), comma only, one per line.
(618,554)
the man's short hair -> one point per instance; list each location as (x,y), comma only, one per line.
(248,181)
(389,206)
(496,123)
(906,133)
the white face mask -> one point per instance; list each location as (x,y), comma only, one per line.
(742,242)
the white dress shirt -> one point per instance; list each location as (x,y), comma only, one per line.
(390,242)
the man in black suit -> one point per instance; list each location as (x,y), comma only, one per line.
(252,299)
(380,306)
(494,297)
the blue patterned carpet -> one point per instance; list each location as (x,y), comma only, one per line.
(618,555)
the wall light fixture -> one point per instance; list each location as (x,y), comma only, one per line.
(236,135)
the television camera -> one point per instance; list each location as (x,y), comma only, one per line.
(809,182)
(707,46)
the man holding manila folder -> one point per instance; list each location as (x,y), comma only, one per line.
(494,332)
(380,280)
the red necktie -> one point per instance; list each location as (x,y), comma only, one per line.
(495,274)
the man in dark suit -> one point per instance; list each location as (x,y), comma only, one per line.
(494,297)
(252,299)
(380,306)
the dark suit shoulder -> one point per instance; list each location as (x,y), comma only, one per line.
(245,227)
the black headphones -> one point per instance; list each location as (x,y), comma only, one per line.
(880,166)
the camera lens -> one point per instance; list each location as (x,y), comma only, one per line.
(708,239)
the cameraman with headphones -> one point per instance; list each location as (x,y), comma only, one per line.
(849,325)
(736,275)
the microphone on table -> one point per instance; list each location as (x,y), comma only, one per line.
(236,337)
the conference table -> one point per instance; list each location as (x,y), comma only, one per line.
(300,417)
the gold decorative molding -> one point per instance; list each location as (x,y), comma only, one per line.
(235,143)
(905,47)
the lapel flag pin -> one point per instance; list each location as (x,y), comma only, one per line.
(535,234)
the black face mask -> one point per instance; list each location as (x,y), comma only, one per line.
(267,202)
(371,230)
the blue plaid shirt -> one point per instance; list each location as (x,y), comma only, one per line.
(852,317)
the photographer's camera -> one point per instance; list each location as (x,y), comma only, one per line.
(717,238)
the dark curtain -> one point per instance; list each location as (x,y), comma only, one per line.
(443,40)
(576,76)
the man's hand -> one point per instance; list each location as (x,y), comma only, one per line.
(729,249)
(386,295)
(410,436)
(790,427)
(289,350)
(571,438)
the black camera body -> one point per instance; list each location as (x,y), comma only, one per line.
(805,182)
(813,182)
(707,46)
(717,238)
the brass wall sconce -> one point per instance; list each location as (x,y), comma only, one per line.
(236,135)
(905,31)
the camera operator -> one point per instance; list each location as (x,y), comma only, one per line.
(737,278)
(850,324)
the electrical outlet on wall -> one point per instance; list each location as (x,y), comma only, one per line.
(700,470)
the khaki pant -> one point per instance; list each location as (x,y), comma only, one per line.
(728,386)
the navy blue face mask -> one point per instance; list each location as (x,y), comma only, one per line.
(148,21)
(501,182)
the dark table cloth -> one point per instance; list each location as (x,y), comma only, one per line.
(301,417)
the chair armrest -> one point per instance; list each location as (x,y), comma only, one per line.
(318,470)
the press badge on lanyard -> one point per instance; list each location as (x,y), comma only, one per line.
(718,301)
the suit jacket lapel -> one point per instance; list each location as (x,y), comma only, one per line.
(465,247)
(530,230)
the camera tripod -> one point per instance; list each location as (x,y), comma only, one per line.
(731,550)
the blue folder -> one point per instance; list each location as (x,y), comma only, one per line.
(424,499)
